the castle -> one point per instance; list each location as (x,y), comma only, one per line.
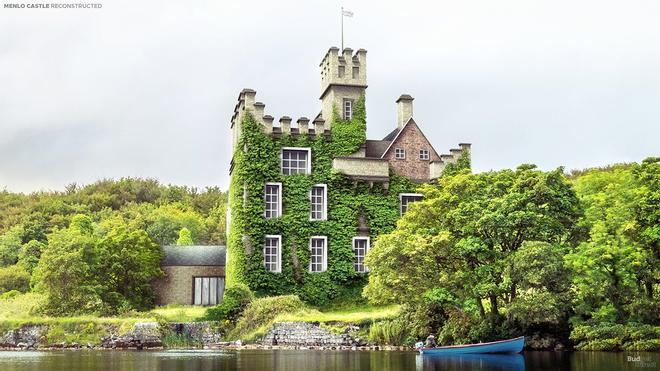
(308,199)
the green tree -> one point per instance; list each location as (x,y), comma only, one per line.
(14,277)
(165,222)
(127,262)
(464,235)
(10,246)
(64,274)
(29,256)
(185,238)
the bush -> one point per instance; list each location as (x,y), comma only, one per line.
(260,313)
(610,336)
(235,300)
(14,278)
(392,332)
(10,294)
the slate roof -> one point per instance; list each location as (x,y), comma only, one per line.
(390,137)
(376,148)
(194,255)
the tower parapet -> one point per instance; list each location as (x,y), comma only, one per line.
(343,77)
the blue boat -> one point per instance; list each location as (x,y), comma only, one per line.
(496,347)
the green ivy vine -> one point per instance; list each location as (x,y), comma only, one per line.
(257,161)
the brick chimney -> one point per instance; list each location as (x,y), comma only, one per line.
(404,110)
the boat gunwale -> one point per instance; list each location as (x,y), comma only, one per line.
(474,345)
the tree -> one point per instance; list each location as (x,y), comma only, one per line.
(127,261)
(185,238)
(29,256)
(64,274)
(464,236)
(14,277)
(10,246)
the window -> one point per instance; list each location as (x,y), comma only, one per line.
(317,201)
(318,254)
(208,290)
(341,71)
(356,72)
(399,153)
(348,109)
(360,248)
(273,200)
(273,253)
(424,154)
(296,161)
(407,198)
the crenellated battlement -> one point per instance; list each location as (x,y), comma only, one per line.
(343,68)
(285,125)
(437,167)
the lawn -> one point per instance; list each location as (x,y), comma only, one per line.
(356,315)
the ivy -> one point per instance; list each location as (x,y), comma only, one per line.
(257,161)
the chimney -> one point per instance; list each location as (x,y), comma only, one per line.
(268,124)
(404,110)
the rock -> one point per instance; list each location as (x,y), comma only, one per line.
(238,343)
(305,335)
(29,335)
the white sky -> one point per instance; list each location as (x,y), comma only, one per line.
(147,88)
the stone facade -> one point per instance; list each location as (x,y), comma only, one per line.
(177,285)
(411,140)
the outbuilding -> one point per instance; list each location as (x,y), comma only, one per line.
(194,275)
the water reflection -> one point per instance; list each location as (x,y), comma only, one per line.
(281,360)
(490,362)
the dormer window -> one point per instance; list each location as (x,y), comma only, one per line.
(424,154)
(348,109)
(400,153)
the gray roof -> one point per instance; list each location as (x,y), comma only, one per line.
(194,255)
(376,148)
(392,135)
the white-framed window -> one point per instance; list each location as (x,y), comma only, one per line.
(318,203)
(208,290)
(348,109)
(399,153)
(424,154)
(273,200)
(296,160)
(405,199)
(318,254)
(360,248)
(273,253)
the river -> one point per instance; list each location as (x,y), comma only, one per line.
(256,360)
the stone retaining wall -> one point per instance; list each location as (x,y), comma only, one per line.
(305,334)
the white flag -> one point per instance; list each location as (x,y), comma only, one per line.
(347,13)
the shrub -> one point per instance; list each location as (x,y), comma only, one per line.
(14,277)
(235,300)
(261,313)
(391,332)
(10,294)
(610,336)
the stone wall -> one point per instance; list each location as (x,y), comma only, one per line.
(177,285)
(412,140)
(305,334)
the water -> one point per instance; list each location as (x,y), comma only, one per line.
(280,360)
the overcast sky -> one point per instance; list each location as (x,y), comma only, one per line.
(147,88)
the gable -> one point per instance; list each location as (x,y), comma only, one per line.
(410,129)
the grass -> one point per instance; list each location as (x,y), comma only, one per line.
(178,313)
(357,315)
(335,320)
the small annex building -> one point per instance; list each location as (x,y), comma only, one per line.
(194,275)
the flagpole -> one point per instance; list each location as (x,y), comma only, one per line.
(342,29)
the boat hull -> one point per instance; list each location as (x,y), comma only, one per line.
(497,347)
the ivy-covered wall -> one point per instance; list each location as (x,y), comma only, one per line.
(257,161)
